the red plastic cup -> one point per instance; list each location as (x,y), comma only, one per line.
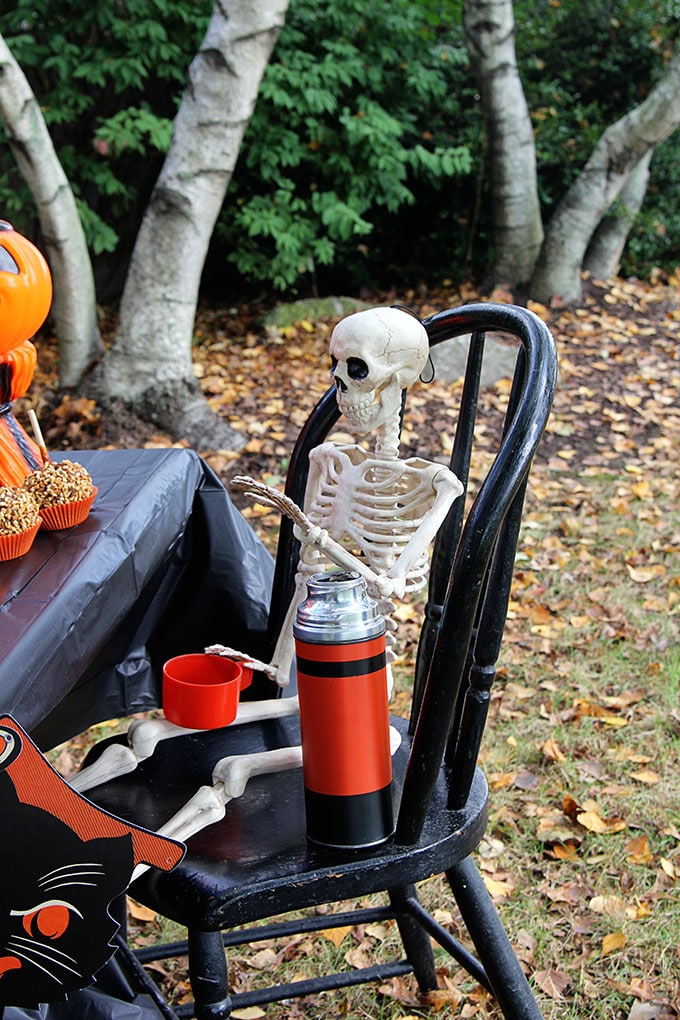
(201,691)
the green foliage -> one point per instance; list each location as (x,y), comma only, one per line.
(584,65)
(365,162)
(354,113)
(107,77)
(655,237)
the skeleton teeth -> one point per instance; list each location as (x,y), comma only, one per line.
(359,413)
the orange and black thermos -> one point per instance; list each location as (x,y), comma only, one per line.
(344,719)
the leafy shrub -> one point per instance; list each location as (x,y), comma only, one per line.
(365,160)
(107,77)
(354,113)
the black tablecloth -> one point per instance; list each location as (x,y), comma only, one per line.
(163,565)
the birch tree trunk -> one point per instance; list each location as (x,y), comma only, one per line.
(603,256)
(618,151)
(149,367)
(490,34)
(74,305)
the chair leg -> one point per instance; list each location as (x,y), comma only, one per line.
(506,977)
(416,941)
(208,975)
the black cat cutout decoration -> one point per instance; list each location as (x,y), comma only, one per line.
(62,862)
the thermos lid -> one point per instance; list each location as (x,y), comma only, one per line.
(337,608)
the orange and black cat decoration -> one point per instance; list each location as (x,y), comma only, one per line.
(62,862)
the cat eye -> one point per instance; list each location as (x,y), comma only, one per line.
(48,920)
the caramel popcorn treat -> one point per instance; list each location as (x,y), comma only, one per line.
(60,482)
(18,511)
(64,492)
(19,522)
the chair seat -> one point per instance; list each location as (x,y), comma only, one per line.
(257,861)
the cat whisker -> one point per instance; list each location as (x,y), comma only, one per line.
(29,954)
(76,879)
(67,885)
(37,945)
(86,867)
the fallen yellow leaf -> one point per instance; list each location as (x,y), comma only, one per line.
(552,751)
(668,867)
(594,823)
(647,776)
(139,912)
(612,942)
(496,888)
(643,575)
(610,905)
(638,852)
(336,935)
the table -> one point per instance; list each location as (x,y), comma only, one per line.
(163,565)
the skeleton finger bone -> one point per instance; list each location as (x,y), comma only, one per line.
(247,660)
(268,496)
(144,735)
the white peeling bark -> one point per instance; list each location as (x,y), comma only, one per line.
(74,305)
(618,151)
(490,34)
(150,365)
(603,257)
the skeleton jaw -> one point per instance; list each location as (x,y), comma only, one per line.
(360,414)
(366,412)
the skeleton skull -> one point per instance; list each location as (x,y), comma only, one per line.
(375,354)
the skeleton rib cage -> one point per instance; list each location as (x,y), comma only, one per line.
(375,505)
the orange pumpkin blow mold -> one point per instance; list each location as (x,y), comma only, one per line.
(25,298)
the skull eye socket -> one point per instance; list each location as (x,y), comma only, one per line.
(356,368)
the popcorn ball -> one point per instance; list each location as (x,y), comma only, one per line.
(64,492)
(59,482)
(19,522)
(18,511)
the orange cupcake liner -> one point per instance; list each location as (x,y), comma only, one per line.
(13,546)
(67,515)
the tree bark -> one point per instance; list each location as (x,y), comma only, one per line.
(618,151)
(74,306)
(603,257)
(490,34)
(149,366)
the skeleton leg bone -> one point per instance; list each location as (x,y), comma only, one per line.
(144,735)
(230,778)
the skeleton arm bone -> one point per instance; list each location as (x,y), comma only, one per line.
(447,489)
(230,777)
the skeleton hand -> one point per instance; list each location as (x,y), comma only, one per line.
(247,660)
(266,495)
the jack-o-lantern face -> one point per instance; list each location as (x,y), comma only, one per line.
(25,288)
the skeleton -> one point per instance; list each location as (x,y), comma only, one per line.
(386,508)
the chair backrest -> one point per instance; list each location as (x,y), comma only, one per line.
(472,560)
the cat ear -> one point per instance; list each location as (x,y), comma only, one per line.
(37,783)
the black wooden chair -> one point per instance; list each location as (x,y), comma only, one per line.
(256,864)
